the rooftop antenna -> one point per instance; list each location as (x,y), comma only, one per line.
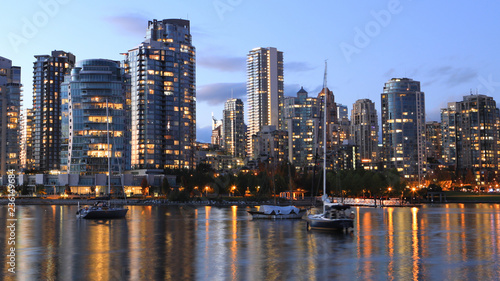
(231,93)
(324,137)
(213,121)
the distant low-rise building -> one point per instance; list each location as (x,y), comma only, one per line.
(270,145)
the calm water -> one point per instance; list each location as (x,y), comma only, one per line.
(444,242)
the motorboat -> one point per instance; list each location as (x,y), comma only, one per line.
(277,212)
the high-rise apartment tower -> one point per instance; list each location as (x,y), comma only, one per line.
(403,127)
(264,90)
(163,97)
(48,74)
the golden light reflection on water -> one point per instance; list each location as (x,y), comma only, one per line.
(463,238)
(390,242)
(208,250)
(98,244)
(367,245)
(440,242)
(415,243)
(234,242)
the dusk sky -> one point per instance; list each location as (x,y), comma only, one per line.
(450,47)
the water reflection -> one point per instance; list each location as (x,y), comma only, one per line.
(209,243)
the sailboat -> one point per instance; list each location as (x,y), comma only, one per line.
(335,216)
(102,210)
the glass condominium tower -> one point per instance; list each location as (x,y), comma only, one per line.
(264,91)
(364,131)
(10,107)
(48,74)
(94,123)
(403,127)
(301,116)
(477,120)
(163,97)
(234,128)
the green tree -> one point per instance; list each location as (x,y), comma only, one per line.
(67,189)
(40,189)
(24,189)
(469,177)
(165,186)
(144,186)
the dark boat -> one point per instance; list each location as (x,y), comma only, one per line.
(101,210)
(336,216)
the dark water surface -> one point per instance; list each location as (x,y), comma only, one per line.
(440,242)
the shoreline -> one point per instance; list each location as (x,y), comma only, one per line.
(219,202)
(148,202)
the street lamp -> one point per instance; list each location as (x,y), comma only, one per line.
(233,188)
(206,191)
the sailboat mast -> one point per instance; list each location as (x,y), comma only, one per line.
(324,132)
(109,151)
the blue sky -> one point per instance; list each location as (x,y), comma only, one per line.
(450,47)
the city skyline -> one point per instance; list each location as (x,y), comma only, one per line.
(450,53)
